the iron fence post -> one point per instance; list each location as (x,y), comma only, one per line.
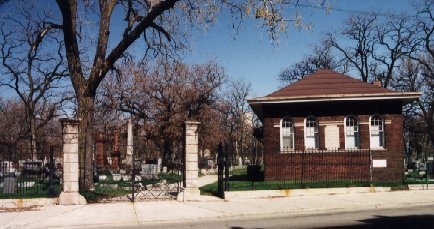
(227,165)
(426,171)
(371,179)
(302,168)
(220,171)
(133,177)
(50,173)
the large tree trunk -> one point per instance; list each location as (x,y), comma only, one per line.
(85,139)
(31,121)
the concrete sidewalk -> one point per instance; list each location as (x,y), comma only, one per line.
(143,213)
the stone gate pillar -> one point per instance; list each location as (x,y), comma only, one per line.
(70,195)
(191,155)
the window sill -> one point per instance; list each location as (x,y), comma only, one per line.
(378,149)
(286,151)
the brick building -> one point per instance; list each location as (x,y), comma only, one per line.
(331,112)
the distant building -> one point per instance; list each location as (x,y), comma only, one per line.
(328,111)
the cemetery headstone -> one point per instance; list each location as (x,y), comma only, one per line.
(10,185)
(149,171)
(116,177)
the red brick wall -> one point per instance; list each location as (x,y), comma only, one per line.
(318,166)
(278,166)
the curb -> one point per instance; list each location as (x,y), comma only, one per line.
(27,203)
(420,187)
(262,194)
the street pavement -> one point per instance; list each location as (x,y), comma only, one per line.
(208,208)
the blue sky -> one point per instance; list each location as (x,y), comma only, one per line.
(250,56)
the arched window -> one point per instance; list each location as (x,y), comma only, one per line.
(351,132)
(286,134)
(311,140)
(376,129)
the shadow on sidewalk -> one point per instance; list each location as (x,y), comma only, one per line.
(383,222)
(392,222)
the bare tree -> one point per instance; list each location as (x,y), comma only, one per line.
(161,25)
(425,58)
(361,34)
(409,77)
(33,66)
(396,39)
(377,45)
(11,115)
(166,95)
(236,116)
(321,57)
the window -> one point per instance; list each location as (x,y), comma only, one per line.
(376,132)
(286,134)
(351,132)
(311,133)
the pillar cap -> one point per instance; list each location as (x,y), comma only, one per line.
(192,123)
(69,121)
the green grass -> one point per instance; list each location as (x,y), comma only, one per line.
(93,196)
(238,171)
(239,185)
(418,181)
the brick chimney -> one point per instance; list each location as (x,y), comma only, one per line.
(377,83)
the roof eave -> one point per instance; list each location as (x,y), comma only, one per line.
(404,97)
(337,97)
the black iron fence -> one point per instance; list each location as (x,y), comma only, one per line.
(420,171)
(27,174)
(297,169)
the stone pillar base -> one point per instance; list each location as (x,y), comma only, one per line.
(188,194)
(71,198)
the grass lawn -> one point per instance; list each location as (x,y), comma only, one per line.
(211,189)
(418,181)
(39,190)
(93,196)
(240,182)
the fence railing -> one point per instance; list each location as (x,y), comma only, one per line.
(25,175)
(304,169)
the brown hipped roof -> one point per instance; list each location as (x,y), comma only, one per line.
(327,82)
(328,85)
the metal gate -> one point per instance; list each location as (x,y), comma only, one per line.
(148,185)
(138,176)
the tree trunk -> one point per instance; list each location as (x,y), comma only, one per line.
(167,153)
(85,139)
(31,121)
